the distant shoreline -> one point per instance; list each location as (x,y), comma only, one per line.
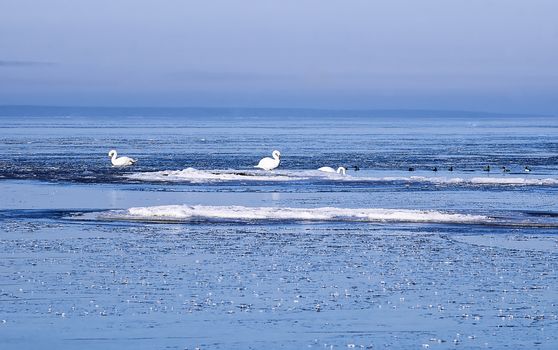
(90,111)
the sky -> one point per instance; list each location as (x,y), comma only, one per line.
(478,55)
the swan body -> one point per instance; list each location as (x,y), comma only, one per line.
(122,161)
(268,163)
(327,169)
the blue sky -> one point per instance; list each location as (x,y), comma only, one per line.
(486,55)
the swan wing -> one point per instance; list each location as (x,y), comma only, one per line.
(264,163)
(123,161)
(267,164)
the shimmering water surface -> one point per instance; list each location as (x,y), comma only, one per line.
(194,248)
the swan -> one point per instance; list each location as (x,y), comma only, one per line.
(268,163)
(326,169)
(122,161)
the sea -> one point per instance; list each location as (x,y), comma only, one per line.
(443,233)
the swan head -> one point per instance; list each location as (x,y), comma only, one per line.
(276,154)
(112,153)
(341,170)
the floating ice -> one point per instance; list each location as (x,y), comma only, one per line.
(192,175)
(517,181)
(242,213)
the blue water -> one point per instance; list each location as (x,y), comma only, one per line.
(467,258)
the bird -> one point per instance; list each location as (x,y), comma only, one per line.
(527,169)
(450,168)
(411,169)
(268,163)
(120,162)
(435,169)
(356,167)
(505,170)
(326,169)
(486,168)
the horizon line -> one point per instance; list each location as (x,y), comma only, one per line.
(315,109)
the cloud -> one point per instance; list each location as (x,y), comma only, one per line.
(17,63)
(224,76)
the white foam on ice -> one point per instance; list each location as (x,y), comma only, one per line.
(192,175)
(516,181)
(242,213)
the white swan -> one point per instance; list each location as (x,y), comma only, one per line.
(270,163)
(122,161)
(327,169)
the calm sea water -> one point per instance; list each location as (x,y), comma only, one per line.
(194,247)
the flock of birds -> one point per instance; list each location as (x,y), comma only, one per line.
(266,163)
(486,169)
(270,163)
